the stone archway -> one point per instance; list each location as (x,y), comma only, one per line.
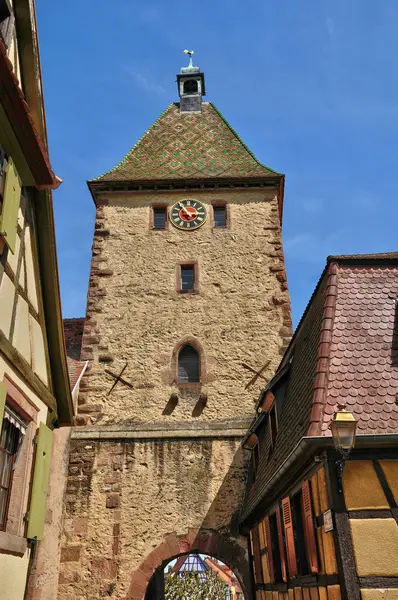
(202,541)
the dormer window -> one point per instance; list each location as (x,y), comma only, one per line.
(191,86)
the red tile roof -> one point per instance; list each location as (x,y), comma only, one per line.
(183,145)
(363,359)
(75,369)
(73,329)
(73,336)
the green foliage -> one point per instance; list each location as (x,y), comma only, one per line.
(188,586)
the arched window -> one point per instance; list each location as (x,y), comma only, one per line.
(188,365)
(191,86)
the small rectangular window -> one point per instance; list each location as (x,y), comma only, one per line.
(159,217)
(220,216)
(187,278)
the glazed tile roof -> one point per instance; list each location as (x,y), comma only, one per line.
(196,145)
(363,363)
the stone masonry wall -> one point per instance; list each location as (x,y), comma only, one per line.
(135,315)
(127,500)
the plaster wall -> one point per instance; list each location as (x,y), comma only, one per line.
(13,576)
(21,318)
(135,315)
(375,543)
(13,567)
(362,488)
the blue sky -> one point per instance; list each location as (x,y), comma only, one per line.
(310,86)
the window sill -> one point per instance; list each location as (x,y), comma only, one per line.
(188,291)
(189,386)
(12,544)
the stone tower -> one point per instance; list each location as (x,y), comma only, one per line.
(187,293)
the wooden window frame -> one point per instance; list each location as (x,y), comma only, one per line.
(309,528)
(187,263)
(13,536)
(164,207)
(287,518)
(220,204)
(256,555)
(7,487)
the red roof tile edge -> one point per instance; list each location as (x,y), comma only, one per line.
(43,173)
(322,369)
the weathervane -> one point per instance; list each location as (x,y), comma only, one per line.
(190,53)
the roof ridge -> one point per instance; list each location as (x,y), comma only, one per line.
(241,141)
(135,145)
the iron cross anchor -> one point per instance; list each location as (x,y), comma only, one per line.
(118,378)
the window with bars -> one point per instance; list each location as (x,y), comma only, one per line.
(220,215)
(188,365)
(159,217)
(9,443)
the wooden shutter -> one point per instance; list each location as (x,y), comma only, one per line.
(41,475)
(269,550)
(309,530)
(3,396)
(281,544)
(289,537)
(256,555)
(11,199)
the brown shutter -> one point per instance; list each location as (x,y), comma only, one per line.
(281,544)
(289,536)
(256,555)
(309,531)
(269,550)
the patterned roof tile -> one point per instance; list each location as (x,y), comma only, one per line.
(182,145)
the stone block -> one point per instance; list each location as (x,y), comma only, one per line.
(70,554)
(113,501)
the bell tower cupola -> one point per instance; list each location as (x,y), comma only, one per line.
(191,86)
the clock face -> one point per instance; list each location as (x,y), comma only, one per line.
(188,214)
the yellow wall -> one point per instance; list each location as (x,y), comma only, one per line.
(383,594)
(375,543)
(362,489)
(390,468)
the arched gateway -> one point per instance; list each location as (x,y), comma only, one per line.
(187,297)
(144,579)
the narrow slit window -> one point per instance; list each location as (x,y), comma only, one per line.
(187,278)
(160,217)
(220,216)
(188,365)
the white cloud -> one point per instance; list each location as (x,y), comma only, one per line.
(145,83)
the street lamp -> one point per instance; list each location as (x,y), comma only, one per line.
(344,427)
